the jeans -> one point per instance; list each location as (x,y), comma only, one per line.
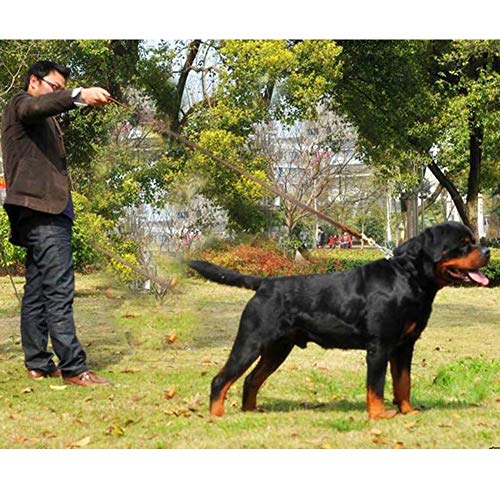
(47,305)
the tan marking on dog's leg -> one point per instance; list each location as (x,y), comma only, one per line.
(402,388)
(217,406)
(376,408)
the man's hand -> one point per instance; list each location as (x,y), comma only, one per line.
(95,96)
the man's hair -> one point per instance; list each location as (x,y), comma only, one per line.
(42,68)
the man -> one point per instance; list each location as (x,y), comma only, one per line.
(40,209)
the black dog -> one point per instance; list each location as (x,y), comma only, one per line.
(381,307)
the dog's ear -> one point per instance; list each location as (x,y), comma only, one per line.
(428,243)
(434,243)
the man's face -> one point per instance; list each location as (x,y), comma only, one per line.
(51,83)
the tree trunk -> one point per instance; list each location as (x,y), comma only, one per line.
(450,187)
(476,133)
(193,49)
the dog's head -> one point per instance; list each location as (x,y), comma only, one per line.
(449,254)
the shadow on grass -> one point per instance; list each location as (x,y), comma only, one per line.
(285,406)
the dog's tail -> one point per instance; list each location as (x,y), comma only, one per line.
(218,274)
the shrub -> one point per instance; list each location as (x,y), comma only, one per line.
(260,258)
(88,228)
(492,270)
(14,256)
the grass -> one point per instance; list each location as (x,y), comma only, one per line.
(163,357)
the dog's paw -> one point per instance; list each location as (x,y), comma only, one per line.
(407,409)
(383,415)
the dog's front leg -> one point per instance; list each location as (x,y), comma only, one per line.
(377,358)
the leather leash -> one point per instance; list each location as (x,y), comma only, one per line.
(192,145)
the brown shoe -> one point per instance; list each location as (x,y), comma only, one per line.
(86,378)
(37,374)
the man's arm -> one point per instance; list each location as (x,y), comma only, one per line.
(31,109)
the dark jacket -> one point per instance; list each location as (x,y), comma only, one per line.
(34,158)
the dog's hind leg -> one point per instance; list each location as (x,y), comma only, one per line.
(269,362)
(243,354)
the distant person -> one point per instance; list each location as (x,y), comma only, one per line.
(321,237)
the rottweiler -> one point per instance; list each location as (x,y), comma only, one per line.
(381,307)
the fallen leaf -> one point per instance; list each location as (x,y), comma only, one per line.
(58,387)
(169,394)
(83,442)
(398,446)
(27,390)
(131,315)
(376,432)
(410,425)
(20,439)
(108,293)
(378,440)
(171,338)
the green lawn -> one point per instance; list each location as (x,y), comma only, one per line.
(162,359)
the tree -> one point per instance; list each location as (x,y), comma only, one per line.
(307,161)
(412,97)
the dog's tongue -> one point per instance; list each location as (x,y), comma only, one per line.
(478,277)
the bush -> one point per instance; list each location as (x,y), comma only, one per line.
(342,260)
(260,259)
(14,256)
(492,270)
(88,228)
